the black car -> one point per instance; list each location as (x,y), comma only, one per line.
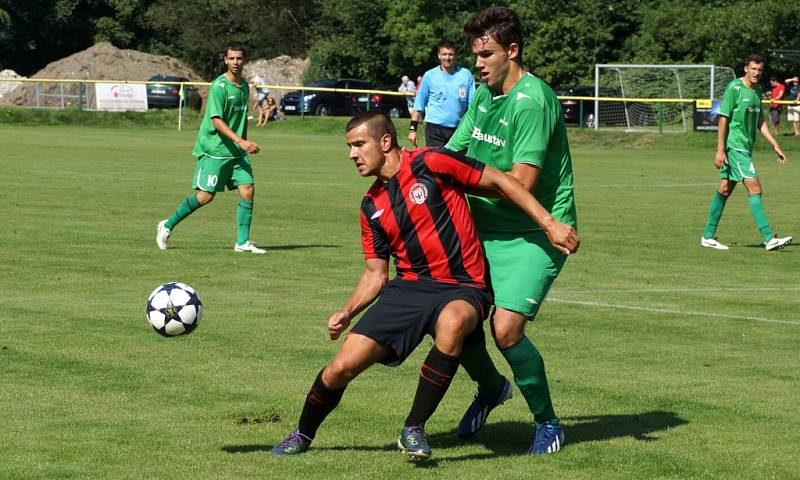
(394,105)
(323,103)
(167,95)
(611,113)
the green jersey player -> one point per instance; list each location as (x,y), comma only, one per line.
(221,149)
(740,117)
(515,124)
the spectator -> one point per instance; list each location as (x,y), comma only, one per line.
(443,96)
(262,92)
(270,110)
(407,86)
(776,93)
(794,110)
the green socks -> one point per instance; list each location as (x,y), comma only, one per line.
(244,217)
(757,210)
(480,368)
(714,214)
(189,205)
(528,366)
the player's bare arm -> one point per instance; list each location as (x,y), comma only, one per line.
(721,157)
(525,173)
(375,276)
(768,136)
(561,235)
(225,130)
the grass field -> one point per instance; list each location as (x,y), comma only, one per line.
(665,360)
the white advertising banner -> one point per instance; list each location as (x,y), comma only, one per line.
(121,96)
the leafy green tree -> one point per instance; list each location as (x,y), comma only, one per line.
(564,39)
(196,30)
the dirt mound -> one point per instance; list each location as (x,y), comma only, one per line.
(7,88)
(103,61)
(283,70)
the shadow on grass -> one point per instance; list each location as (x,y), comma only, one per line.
(508,439)
(513,438)
(275,248)
(350,448)
(761,246)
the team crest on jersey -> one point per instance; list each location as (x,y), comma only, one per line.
(418,193)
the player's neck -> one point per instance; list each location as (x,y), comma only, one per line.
(748,83)
(515,72)
(237,79)
(391,165)
(448,71)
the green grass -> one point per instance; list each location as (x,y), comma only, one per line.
(665,360)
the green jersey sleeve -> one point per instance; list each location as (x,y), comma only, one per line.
(533,127)
(216,99)
(728,100)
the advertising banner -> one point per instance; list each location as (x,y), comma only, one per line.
(121,96)
(706,115)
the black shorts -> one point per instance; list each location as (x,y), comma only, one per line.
(407,310)
(437,135)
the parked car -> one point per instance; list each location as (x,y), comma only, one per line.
(167,95)
(611,113)
(323,103)
(394,105)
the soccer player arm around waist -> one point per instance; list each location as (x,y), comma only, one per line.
(561,235)
(375,276)
(225,130)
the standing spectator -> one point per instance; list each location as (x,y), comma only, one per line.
(260,105)
(407,86)
(443,96)
(776,93)
(740,117)
(794,110)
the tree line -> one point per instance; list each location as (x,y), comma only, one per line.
(380,40)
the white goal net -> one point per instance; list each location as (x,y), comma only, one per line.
(655,97)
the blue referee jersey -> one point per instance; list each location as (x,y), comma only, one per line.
(446,96)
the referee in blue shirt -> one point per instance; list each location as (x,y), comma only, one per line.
(443,96)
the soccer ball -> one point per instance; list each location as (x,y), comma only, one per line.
(174,309)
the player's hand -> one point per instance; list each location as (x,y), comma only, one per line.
(563,237)
(249,147)
(338,323)
(720,159)
(780,154)
(412,137)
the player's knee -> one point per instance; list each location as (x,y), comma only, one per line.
(339,373)
(204,198)
(247,192)
(506,334)
(455,326)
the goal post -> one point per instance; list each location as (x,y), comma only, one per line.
(650,97)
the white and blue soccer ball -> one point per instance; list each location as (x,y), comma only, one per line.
(174,309)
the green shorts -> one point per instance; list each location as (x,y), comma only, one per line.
(739,166)
(522,267)
(214,174)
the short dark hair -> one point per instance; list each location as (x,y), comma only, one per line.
(234,46)
(446,44)
(500,23)
(753,58)
(378,125)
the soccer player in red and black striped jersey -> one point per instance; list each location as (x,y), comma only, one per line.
(415,212)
